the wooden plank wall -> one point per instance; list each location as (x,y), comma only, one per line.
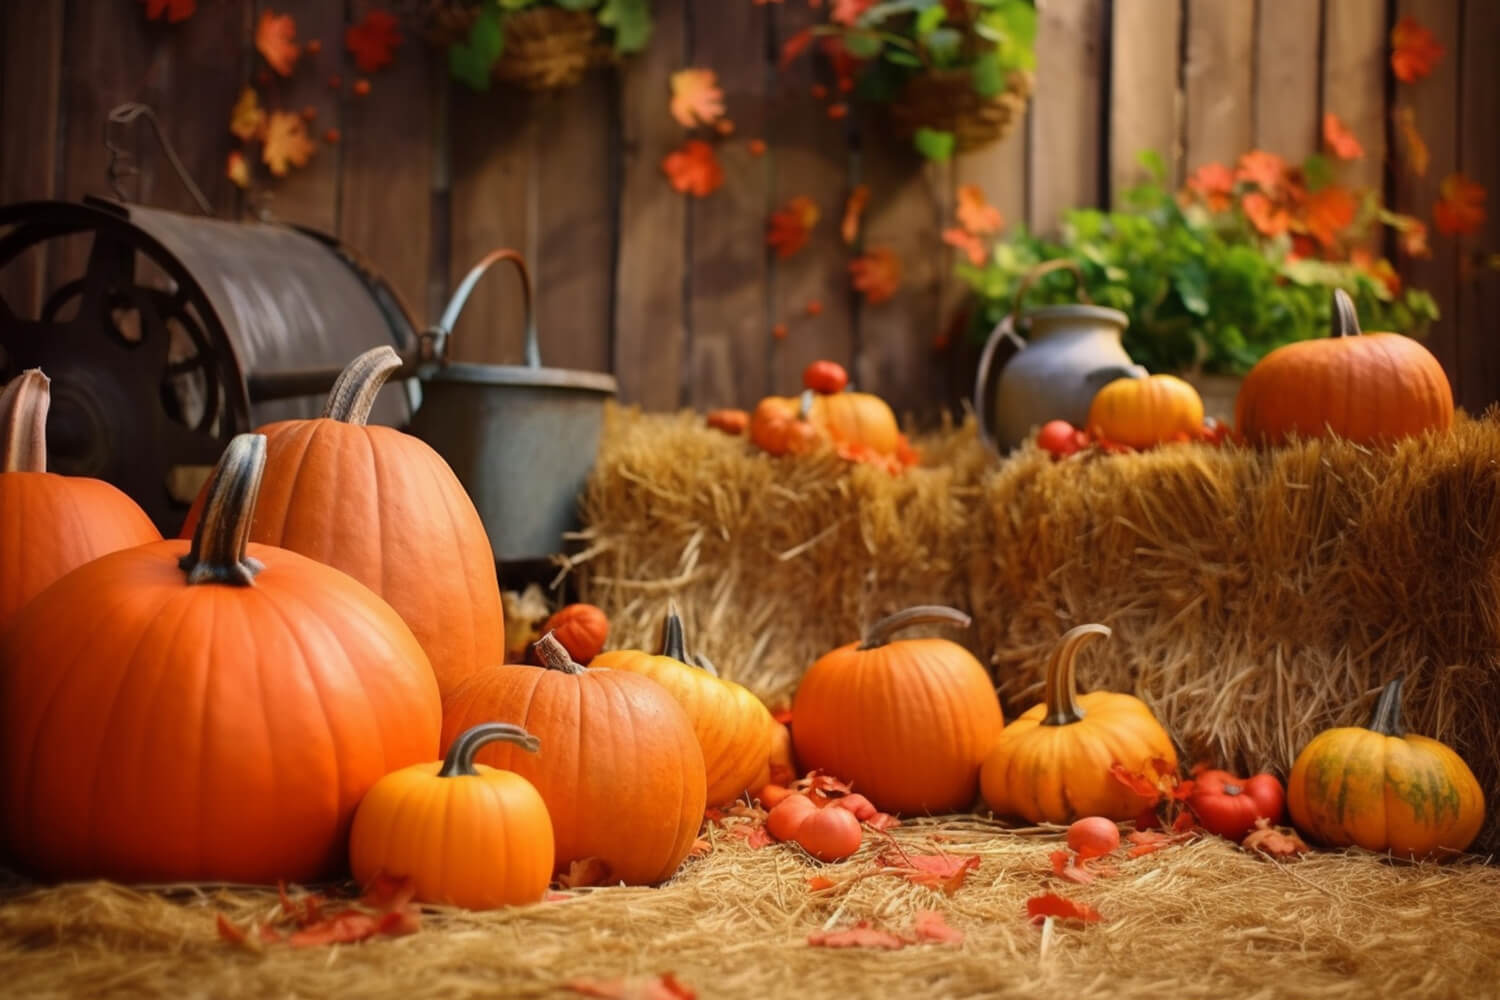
(678,296)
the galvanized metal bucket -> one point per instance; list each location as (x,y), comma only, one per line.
(521,438)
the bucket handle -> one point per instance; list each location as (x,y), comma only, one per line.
(1047,267)
(455,304)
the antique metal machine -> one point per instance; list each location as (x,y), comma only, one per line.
(166,334)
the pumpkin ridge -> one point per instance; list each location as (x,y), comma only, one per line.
(470,642)
(306,435)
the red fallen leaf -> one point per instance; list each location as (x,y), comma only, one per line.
(1137,783)
(1274,841)
(877,274)
(966,241)
(694,169)
(1150,841)
(399,922)
(342,928)
(1340,140)
(975,213)
(945,872)
(861,935)
(276,40)
(819,882)
(755,835)
(388,892)
(1065,865)
(373,41)
(270,935)
(696,97)
(1414,50)
(854,210)
(585,872)
(1050,904)
(230,931)
(790,226)
(288,907)
(176,11)
(663,987)
(930,925)
(1460,206)
(312,909)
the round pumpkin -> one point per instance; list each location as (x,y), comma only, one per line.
(907,722)
(1145,411)
(1384,789)
(385,508)
(784,426)
(581,628)
(50,524)
(733,726)
(1367,388)
(619,766)
(1052,764)
(465,834)
(211,711)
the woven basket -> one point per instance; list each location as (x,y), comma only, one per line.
(548,48)
(945,100)
(441,22)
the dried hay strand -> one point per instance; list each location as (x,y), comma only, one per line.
(736,923)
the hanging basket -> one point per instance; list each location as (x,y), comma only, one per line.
(945,101)
(548,48)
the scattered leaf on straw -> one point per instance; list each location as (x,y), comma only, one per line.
(861,935)
(276,39)
(930,925)
(944,872)
(232,932)
(1150,841)
(790,226)
(1460,206)
(248,119)
(1414,50)
(388,892)
(1339,139)
(1417,154)
(286,143)
(877,274)
(176,11)
(971,245)
(701,848)
(585,872)
(881,822)
(1065,865)
(237,169)
(696,97)
(755,835)
(694,169)
(854,210)
(373,41)
(663,987)
(1050,904)
(1274,841)
(975,213)
(817,883)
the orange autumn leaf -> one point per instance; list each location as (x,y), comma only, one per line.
(373,41)
(248,119)
(1265,215)
(1460,206)
(286,144)
(1328,212)
(1417,154)
(696,97)
(795,46)
(230,931)
(237,169)
(966,241)
(585,872)
(1214,183)
(1066,865)
(854,210)
(943,872)
(930,925)
(663,987)
(387,893)
(694,169)
(1274,841)
(176,11)
(1414,50)
(1050,904)
(755,835)
(861,935)
(276,40)
(975,213)
(817,883)
(1376,267)
(1340,141)
(1413,239)
(790,226)
(1265,170)
(877,274)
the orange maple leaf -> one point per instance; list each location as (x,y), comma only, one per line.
(237,169)
(373,41)
(861,935)
(1265,215)
(694,169)
(276,39)
(176,11)
(1339,139)
(1214,183)
(1275,841)
(975,213)
(1376,267)
(854,210)
(1460,206)
(930,925)
(944,872)
(1328,212)
(696,97)
(790,226)
(286,143)
(877,274)
(1265,170)
(1050,904)
(248,119)
(1417,154)
(1414,50)
(966,241)
(663,987)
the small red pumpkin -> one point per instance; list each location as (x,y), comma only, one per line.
(581,628)
(1229,806)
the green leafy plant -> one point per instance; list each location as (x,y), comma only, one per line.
(472,60)
(1215,276)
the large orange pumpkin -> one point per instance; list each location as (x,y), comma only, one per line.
(385,508)
(1384,789)
(1052,764)
(1368,388)
(733,726)
(50,524)
(204,711)
(906,721)
(619,766)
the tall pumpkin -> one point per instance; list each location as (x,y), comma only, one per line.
(1368,388)
(733,726)
(1052,764)
(50,524)
(1384,789)
(619,766)
(906,721)
(385,508)
(204,711)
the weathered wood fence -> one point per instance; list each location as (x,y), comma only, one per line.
(678,296)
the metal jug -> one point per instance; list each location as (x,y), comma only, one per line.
(1070,352)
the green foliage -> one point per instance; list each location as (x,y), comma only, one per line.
(935,144)
(1202,290)
(471,61)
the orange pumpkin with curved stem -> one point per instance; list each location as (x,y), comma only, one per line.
(220,716)
(1052,764)
(906,722)
(65,521)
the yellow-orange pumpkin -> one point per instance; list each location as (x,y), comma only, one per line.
(1145,411)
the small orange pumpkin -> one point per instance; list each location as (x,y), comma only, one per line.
(907,722)
(465,834)
(581,628)
(1052,764)
(1145,411)
(783,426)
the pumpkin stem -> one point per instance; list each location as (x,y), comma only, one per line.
(1062,687)
(805,404)
(554,655)
(218,551)
(704,664)
(23,422)
(673,640)
(354,392)
(1386,718)
(460,760)
(1345,316)
(923,614)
